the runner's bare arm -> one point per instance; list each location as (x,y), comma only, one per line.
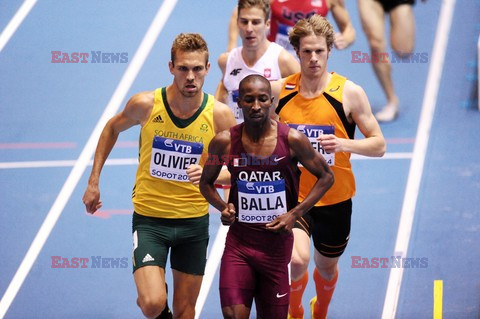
(347,32)
(233,30)
(224,120)
(357,108)
(288,64)
(219,147)
(313,161)
(221,94)
(276,89)
(136,112)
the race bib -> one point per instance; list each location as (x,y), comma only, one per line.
(313,132)
(237,112)
(261,202)
(171,158)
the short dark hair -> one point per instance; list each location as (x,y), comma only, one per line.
(252,78)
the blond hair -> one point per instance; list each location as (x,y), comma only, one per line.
(188,42)
(314,25)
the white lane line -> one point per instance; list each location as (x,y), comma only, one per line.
(87,152)
(213,261)
(419,153)
(134,161)
(17,19)
(65,163)
(387,156)
(37,145)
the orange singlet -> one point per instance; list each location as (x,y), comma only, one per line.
(323,114)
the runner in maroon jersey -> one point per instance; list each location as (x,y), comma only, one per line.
(262,156)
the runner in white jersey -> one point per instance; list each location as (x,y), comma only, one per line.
(257,55)
(236,69)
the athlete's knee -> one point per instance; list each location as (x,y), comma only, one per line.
(184,309)
(403,42)
(181,313)
(327,271)
(377,45)
(228,313)
(299,262)
(402,32)
(300,253)
(325,266)
(152,307)
(402,49)
(236,312)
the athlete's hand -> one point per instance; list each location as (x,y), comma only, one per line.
(283,223)
(91,199)
(228,215)
(194,173)
(339,41)
(330,143)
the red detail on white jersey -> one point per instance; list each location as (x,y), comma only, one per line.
(267,72)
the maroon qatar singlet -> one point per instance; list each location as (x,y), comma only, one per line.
(262,187)
(255,260)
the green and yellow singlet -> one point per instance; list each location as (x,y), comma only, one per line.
(168,146)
